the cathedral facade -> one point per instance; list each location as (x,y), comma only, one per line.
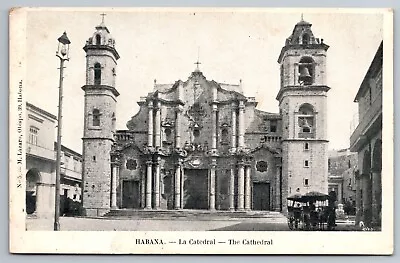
(200,144)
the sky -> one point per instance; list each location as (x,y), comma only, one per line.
(164,46)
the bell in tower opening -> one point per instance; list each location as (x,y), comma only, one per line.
(306,71)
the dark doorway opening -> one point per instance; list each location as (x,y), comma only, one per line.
(32,179)
(130,194)
(261,196)
(195,189)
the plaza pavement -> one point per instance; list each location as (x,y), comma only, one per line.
(181,224)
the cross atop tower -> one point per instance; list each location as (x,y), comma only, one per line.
(302,17)
(198,58)
(197,65)
(103,15)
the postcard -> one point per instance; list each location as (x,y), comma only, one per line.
(201,131)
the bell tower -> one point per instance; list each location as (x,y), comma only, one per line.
(303,105)
(99,120)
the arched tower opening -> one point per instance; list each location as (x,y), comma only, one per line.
(97,74)
(306,121)
(98,39)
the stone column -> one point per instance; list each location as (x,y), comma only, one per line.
(40,210)
(339,193)
(240,187)
(277,188)
(233,139)
(212,185)
(178,128)
(157,184)
(232,190)
(247,204)
(150,125)
(114,186)
(149,182)
(241,124)
(367,199)
(358,198)
(214,127)
(142,189)
(157,123)
(178,186)
(182,181)
(376,198)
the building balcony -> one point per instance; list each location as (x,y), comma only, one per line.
(40,152)
(71,174)
(123,135)
(370,122)
(271,138)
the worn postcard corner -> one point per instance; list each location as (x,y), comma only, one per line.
(201,131)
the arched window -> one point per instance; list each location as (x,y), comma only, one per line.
(97,74)
(306,71)
(113,120)
(306,146)
(98,39)
(96,117)
(196,133)
(273,124)
(305,39)
(224,136)
(168,134)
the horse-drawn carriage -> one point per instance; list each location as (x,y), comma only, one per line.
(311,211)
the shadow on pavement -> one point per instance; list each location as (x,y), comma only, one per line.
(275,227)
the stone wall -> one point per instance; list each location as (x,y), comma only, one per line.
(96,176)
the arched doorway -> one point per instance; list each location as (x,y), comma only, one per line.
(32,180)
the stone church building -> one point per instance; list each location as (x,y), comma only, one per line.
(201,144)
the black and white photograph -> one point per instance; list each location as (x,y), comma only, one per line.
(201,130)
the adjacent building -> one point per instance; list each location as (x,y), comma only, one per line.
(41,165)
(342,168)
(366,140)
(201,144)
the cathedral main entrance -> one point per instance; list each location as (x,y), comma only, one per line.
(130,194)
(195,189)
(261,196)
